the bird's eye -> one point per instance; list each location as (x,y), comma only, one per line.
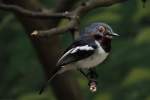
(101,29)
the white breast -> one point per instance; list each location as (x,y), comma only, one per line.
(98,57)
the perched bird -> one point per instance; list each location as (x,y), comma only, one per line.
(91,49)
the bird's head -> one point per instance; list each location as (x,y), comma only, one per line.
(100,30)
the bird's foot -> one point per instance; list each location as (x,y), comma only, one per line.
(93,85)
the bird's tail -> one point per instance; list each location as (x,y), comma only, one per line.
(56,72)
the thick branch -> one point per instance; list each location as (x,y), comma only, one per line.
(25,12)
(76,13)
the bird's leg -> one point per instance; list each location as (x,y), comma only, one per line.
(84,74)
(92,75)
(92,78)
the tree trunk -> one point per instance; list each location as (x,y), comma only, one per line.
(65,87)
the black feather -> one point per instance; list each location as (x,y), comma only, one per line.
(54,73)
(80,54)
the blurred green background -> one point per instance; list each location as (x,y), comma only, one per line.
(124,76)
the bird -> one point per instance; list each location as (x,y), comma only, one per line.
(89,50)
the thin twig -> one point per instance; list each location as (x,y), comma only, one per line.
(28,13)
(55,31)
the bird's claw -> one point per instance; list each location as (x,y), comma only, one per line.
(93,85)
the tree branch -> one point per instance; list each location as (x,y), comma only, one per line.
(76,14)
(57,30)
(28,13)
(73,16)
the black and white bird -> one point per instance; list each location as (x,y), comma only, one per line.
(91,49)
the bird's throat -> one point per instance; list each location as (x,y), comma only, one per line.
(106,44)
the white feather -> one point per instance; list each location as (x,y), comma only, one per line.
(68,52)
(86,47)
(74,50)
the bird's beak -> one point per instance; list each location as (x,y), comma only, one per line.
(115,34)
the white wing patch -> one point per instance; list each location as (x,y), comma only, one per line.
(97,58)
(74,50)
(86,47)
(67,53)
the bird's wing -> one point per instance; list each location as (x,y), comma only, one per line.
(79,50)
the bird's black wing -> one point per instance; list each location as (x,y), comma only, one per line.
(80,49)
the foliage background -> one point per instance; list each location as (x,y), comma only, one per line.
(124,76)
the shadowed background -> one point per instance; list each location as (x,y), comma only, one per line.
(125,75)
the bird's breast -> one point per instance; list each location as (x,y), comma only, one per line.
(98,57)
